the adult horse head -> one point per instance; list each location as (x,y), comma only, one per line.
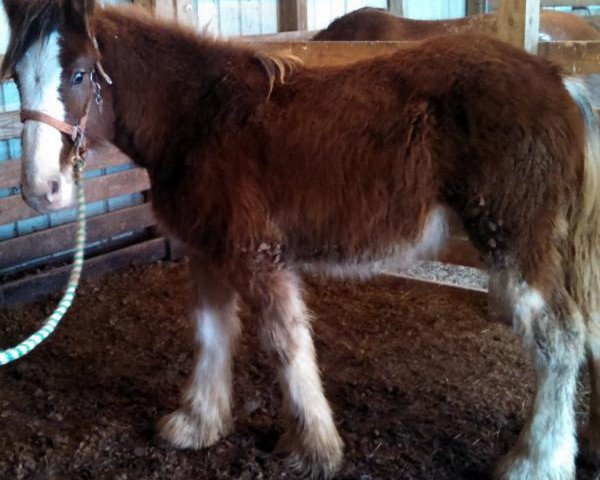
(55,100)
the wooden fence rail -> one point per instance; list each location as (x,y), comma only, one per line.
(13,208)
(10,170)
(576,58)
(59,239)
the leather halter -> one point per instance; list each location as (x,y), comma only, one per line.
(75,132)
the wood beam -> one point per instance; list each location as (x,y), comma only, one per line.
(10,125)
(319,54)
(474,7)
(14,208)
(147,4)
(396,7)
(569,3)
(519,23)
(101,157)
(292,15)
(493,4)
(300,36)
(186,13)
(33,287)
(575,58)
(581,58)
(26,248)
(165,9)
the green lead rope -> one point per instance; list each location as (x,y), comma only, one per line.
(12,354)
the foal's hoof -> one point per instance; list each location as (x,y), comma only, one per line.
(520,467)
(319,460)
(183,430)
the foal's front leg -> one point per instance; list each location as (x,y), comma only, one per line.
(205,412)
(311,438)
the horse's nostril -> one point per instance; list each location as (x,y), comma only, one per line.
(54,186)
(53,191)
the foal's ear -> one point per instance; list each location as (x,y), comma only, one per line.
(17,17)
(12,10)
(77,14)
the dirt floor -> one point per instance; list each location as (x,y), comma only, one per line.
(422,386)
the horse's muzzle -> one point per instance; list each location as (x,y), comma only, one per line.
(48,195)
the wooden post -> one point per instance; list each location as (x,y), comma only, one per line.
(395,7)
(185,13)
(473,7)
(519,23)
(165,9)
(180,10)
(147,4)
(292,15)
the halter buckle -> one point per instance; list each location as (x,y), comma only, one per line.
(97,89)
(78,137)
(78,164)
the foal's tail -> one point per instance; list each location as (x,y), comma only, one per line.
(584,264)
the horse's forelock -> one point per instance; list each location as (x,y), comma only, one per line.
(29,22)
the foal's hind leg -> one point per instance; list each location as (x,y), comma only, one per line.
(552,331)
(205,413)
(311,438)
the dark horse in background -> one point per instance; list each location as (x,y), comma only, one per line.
(377,24)
(262,171)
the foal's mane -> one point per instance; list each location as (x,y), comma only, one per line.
(30,21)
(277,66)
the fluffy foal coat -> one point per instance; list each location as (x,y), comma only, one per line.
(338,169)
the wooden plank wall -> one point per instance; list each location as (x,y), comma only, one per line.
(519,23)
(575,57)
(116,221)
(43,243)
(396,7)
(494,4)
(292,15)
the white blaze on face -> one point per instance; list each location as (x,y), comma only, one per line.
(45,187)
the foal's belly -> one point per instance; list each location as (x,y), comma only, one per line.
(372,260)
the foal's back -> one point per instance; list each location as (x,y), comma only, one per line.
(386,140)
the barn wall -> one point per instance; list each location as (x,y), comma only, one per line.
(321,13)
(433,9)
(237,17)
(251,17)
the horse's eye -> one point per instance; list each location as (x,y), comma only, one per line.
(77,78)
